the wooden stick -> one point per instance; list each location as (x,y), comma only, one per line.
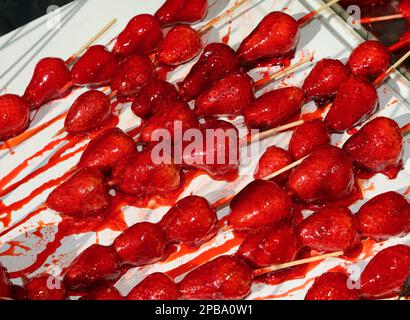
(214,21)
(383,76)
(308,17)
(91,41)
(380,19)
(284,169)
(295,263)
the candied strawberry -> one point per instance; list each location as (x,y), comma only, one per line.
(5,284)
(224,278)
(228,96)
(384,216)
(332,286)
(84,195)
(14,116)
(93,267)
(143,243)
(272,160)
(157,286)
(96,66)
(45,288)
(330,229)
(261,203)
(276,36)
(51,80)
(191,221)
(307,137)
(189,11)
(386,273)
(274,108)
(103,293)
(142,35)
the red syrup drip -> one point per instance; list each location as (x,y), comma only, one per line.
(225,38)
(163,71)
(405,129)
(390,172)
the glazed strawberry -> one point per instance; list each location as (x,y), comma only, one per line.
(224,278)
(274,108)
(307,137)
(142,35)
(45,288)
(228,96)
(152,97)
(132,74)
(272,160)
(89,111)
(188,11)
(386,273)
(355,101)
(18,293)
(142,174)
(276,36)
(332,286)
(261,203)
(5,284)
(325,176)
(51,80)
(143,243)
(330,229)
(270,246)
(323,82)
(157,286)
(370,59)
(216,61)
(96,66)
(191,221)
(92,268)
(218,158)
(180,45)
(84,195)
(172,114)
(384,216)
(14,116)
(105,150)
(377,146)
(363,2)
(404,9)
(103,293)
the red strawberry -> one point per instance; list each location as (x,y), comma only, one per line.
(133,73)
(14,116)
(157,286)
(220,157)
(323,82)
(50,81)
(84,195)
(103,293)
(142,174)
(261,203)
(370,59)
(5,284)
(270,246)
(326,175)
(271,161)
(171,114)
(386,273)
(143,243)
(276,36)
(332,286)
(355,101)
(88,112)
(384,216)
(404,9)
(274,108)
(224,278)
(93,267)
(188,11)
(216,61)
(105,150)
(307,137)
(180,45)
(152,97)
(377,146)
(228,96)
(45,288)
(191,221)
(142,35)
(330,229)
(96,66)
(18,293)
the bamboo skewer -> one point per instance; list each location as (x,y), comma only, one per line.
(368,20)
